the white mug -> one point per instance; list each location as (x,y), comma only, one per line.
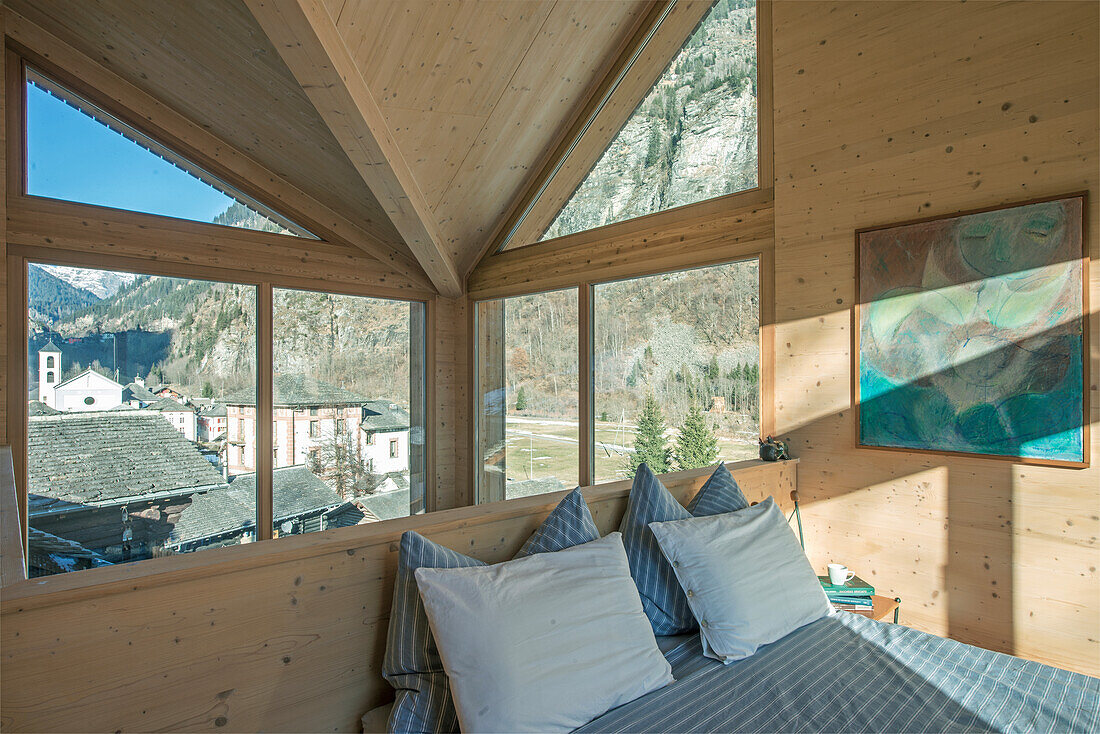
(839,574)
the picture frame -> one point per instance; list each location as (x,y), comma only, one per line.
(970,333)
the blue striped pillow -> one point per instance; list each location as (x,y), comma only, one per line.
(662,598)
(412,664)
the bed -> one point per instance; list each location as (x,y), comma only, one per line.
(849,673)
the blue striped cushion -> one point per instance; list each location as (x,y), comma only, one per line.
(719,494)
(412,664)
(662,598)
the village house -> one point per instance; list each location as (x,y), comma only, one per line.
(212,422)
(312,416)
(91,391)
(385,428)
(115,482)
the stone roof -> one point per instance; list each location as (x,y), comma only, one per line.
(50,347)
(295,391)
(352,512)
(168,405)
(215,411)
(382,416)
(109,458)
(134,391)
(386,505)
(298,491)
(37,407)
(51,554)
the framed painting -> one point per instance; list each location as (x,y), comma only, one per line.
(971,334)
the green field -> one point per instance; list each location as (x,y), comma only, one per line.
(540,448)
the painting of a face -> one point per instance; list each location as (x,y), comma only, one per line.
(970,333)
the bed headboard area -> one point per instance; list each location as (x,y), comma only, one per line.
(283,635)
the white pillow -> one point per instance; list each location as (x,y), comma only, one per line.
(543,643)
(746,578)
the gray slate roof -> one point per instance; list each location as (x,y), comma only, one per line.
(52,554)
(297,491)
(36,407)
(168,405)
(294,391)
(109,458)
(134,391)
(382,415)
(215,411)
(50,347)
(386,505)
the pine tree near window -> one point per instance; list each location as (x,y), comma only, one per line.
(650,445)
(696,446)
(521,400)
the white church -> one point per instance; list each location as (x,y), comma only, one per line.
(90,391)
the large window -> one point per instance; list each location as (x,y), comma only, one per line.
(676,370)
(674,379)
(349,408)
(693,137)
(528,421)
(143,411)
(124,371)
(78,152)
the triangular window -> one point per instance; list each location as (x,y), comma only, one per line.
(693,137)
(78,152)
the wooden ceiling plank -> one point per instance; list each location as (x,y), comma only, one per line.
(196,143)
(311,46)
(579,43)
(210,60)
(635,84)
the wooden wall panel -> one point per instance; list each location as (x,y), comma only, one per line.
(281,635)
(886,112)
(450,385)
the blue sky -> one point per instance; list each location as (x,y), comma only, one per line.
(73,157)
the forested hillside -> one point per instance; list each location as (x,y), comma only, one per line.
(193,332)
(685,338)
(52,298)
(692,138)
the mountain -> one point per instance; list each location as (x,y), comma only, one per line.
(53,298)
(239,215)
(692,138)
(101,283)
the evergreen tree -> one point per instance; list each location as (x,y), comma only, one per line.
(521,400)
(650,445)
(713,372)
(207,390)
(696,446)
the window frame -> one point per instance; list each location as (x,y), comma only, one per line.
(506,238)
(91,248)
(586,387)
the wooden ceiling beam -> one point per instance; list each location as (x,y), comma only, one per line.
(312,47)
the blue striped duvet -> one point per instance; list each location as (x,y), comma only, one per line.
(846,673)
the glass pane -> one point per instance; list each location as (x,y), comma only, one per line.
(128,454)
(692,138)
(77,152)
(527,375)
(677,370)
(349,410)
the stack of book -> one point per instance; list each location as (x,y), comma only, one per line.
(854,596)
